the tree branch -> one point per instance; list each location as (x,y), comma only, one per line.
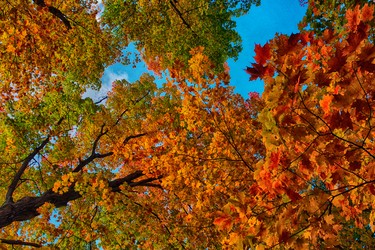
(27,207)
(54,11)
(178,12)
(25,164)
(146,182)
(19,242)
(93,155)
(127,139)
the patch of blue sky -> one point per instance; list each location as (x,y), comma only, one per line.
(258,27)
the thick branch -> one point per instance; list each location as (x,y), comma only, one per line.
(26,208)
(25,164)
(89,159)
(20,242)
(54,11)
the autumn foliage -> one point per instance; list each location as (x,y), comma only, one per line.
(189,164)
(318,134)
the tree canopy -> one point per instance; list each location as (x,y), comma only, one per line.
(189,164)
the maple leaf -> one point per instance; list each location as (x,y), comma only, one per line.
(262,53)
(367,12)
(341,120)
(293,195)
(274,159)
(353,17)
(355,165)
(11,48)
(259,71)
(223,221)
(284,236)
(325,103)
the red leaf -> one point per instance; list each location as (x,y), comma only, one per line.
(224,222)
(293,39)
(354,165)
(341,119)
(274,160)
(262,54)
(259,71)
(294,196)
(285,235)
(372,188)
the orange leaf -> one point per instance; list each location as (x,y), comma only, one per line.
(11,48)
(353,17)
(325,103)
(367,13)
(224,222)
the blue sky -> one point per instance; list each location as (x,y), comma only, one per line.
(258,26)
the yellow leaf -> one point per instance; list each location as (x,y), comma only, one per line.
(65,178)
(236,239)
(56,186)
(329,219)
(260,247)
(11,48)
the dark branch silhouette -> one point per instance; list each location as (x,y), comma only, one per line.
(20,242)
(54,11)
(26,208)
(25,164)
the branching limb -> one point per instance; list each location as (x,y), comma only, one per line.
(27,207)
(93,155)
(127,139)
(21,170)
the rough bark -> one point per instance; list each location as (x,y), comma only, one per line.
(26,208)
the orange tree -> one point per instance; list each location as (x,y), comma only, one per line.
(190,164)
(316,181)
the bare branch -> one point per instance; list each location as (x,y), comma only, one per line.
(178,12)
(146,182)
(91,158)
(104,98)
